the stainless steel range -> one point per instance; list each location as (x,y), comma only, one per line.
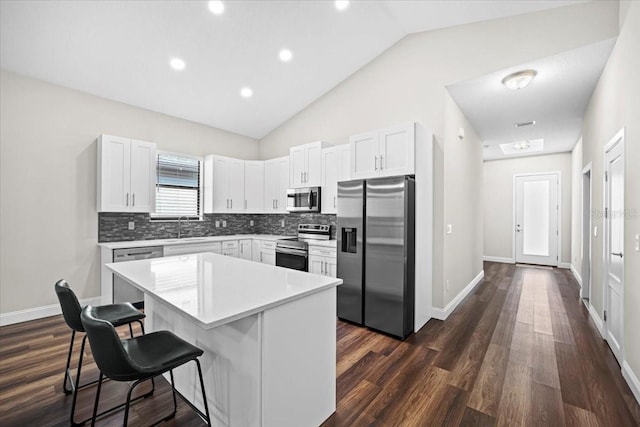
(294,252)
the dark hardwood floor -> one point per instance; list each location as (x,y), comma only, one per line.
(519,351)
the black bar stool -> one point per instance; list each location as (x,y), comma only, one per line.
(138,359)
(116,314)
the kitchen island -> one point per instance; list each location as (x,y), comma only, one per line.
(268,335)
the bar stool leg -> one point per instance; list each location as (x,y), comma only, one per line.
(204,395)
(77,384)
(95,405)
(66,371)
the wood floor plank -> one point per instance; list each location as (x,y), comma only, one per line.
(545,368)
(578,417)
(487,391)
(515,402)
(547,406)
(473,418)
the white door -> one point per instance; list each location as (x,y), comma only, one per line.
(115,166)
(254,185)
(298,161)
(219,183)
(313,177)
(271,183)
(614,244)
(364,155)
(245,249)
(586,233)
(343,155)
(143,176)
(316,264)
(536,228)
(236,185)
(329,180)
(331,267)
(397,150)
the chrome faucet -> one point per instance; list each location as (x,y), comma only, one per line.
(180,225)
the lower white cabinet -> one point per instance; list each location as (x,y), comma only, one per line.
(245,249)
(323,260)
(230,248)
(268,252)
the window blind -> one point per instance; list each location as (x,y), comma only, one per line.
(177,186)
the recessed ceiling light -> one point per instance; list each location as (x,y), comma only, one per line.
(519,80)
(216,7)
(285,55)
(177,64)
(246,92)
(341,4)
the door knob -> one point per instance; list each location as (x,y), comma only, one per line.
(617,254)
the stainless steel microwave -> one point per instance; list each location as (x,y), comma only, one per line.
(303,199)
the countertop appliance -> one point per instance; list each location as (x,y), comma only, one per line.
(376,253)
(122,290)
(293,252)
(303,199)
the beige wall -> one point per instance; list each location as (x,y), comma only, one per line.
(48,218)
(614,105)
(407,83)
(498,201)
(462,204)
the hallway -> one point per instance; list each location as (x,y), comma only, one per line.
(520,350)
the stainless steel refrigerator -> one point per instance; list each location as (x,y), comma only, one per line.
(376,247)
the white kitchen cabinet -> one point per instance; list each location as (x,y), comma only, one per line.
(245,247)
(305,165)
(193,248)
(268,252)
(256,246)
(230,248)
(323,260)
(384,152)
(126,175)
(335,167)
(254,186)
(223,184)
(276,183)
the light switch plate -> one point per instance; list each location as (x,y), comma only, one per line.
(132,225)
(217,224)
(637,242)
(224,223)
(251,223)
(449,229)
(595,231)
(282,222)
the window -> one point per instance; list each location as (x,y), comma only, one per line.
(178,186)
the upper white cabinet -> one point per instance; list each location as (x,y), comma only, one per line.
(385,152)
(335,167)
(254,186)
(223,184)
(305,164)
(276,182)
(126,175)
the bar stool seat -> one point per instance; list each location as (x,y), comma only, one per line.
(138,359)
(116,314)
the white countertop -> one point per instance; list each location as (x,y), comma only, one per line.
(186,240)
(214,289)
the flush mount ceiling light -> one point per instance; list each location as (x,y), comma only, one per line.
(526,146)
(177,64)
(285,55)
(519,80)
(522,145)
(341,4)
(246,92)
(216,7)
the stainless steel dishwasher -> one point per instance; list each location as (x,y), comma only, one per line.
(123,291)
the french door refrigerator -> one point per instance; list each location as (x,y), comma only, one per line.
(376,246)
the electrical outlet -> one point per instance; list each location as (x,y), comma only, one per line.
(449,228)
(595,231)
(251,223)
(224,223)
(637,242)
(132,225)
(217,224)
(282,223)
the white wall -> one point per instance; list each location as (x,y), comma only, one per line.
(576,208)
(498,201)
(48,218)
(615,104)
(407,83)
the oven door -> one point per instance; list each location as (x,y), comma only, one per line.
(303,199)
(291,258)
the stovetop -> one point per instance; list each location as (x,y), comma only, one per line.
(306,233)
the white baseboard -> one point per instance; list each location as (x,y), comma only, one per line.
(499,259)
(576,275)
(443,313)
(40,312)
(632,380)
(564,265)
(596,319)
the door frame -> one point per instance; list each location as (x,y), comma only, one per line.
(586,238)
(559,211)
(619,138)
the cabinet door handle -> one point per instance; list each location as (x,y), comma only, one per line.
(617,254)
(305,177)
(301,177)
(231,201)
(133,199)
(127,203)
(334,201)
(245,204)
(260,256)
(276,203)
(375,163)
(227,203)
(380,162)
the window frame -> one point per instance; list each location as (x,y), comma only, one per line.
(155,217)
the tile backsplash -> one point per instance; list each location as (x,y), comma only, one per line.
(113,227)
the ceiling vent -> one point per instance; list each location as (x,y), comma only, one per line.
(523,124)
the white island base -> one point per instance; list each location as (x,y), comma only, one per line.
(273,368)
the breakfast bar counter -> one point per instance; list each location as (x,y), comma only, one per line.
(268,335)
